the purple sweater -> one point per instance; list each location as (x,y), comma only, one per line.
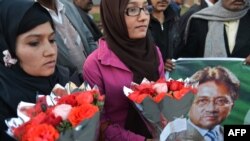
(104,69)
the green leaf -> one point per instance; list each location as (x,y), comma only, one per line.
(63,126)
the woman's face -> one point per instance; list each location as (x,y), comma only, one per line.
(36,50)
(137,25)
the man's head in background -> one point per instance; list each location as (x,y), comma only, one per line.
(234,5)
(218,89)
(159,5)
(179,2)
(85,5)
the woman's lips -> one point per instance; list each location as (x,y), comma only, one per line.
(50,64)
(142,27)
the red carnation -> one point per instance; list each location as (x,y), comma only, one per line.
(42,132)
(68,99)
(80,113)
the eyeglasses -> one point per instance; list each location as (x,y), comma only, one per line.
(135,11)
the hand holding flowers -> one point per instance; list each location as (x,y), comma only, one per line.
(163,99)
(59,116)
(175,89)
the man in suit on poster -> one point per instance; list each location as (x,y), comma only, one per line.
(217,91)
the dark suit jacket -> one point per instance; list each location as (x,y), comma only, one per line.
(90,24)
(189,135)
(195,8)
(86,37)
(183,23)
(197,37)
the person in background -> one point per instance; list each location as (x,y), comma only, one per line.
(184,19)
(176,6)
(83,7)
(229,19)
(179,7)
(75,41)
(125,54)
(217,91)
(219,31)
(86,5)
(28,57)
(163,27)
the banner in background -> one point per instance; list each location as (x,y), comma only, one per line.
(240,114)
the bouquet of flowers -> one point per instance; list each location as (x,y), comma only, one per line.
(163,99)
(70,113)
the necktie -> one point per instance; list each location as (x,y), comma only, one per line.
(211,135)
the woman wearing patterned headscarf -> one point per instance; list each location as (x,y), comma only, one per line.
(125,54)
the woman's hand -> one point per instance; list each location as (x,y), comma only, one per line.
(247,60)
(170,65)
(164,121)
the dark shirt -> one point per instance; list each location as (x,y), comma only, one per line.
(166,38)
(183,23)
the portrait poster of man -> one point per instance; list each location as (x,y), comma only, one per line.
(229,93)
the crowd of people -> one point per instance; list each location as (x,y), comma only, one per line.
(45,42)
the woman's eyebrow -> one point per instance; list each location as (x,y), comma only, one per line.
(38,34)
(136,3)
